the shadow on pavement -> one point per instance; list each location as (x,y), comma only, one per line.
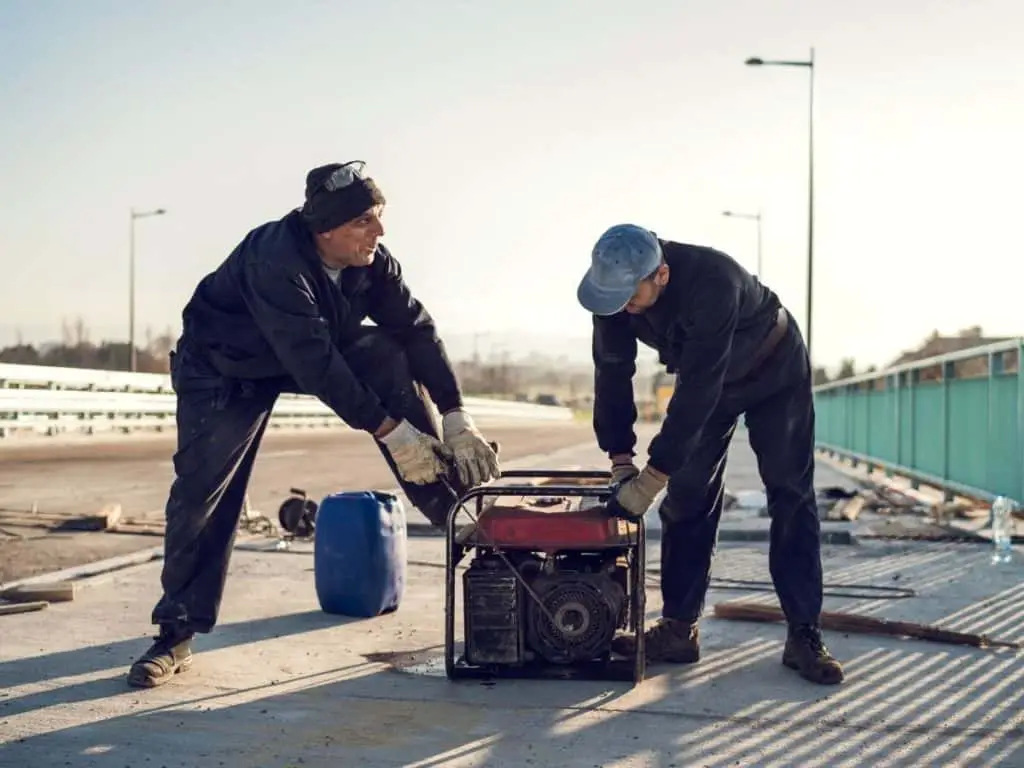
(738,706)
(904,703)
(117,657)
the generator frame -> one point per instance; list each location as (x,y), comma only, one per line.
(632,670)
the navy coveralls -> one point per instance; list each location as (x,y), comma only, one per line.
(270,320)
(710,326)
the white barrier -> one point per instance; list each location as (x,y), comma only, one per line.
(55,377)
(54,400)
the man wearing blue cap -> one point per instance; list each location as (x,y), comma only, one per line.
(734,350)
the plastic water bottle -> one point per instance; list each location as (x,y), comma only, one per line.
(1002,530)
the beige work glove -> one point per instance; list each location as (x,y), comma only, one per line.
(623,468)
(418,456)
(635,496)
(475,460)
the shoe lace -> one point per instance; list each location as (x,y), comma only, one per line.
(670,629)
(811,637)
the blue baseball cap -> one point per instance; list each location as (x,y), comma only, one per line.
(622,257)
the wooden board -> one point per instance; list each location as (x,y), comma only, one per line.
(53,592)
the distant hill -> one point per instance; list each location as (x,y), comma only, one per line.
(572,350)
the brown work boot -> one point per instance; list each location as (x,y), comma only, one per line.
(806,653)
(670,640)
(169,655)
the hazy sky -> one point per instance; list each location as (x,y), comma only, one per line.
(507,136)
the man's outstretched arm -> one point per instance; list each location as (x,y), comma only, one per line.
(614,349)
(709,327)
(395,308)
(285,309)
(404,316)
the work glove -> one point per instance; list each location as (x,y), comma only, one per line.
(623,468)
(475,460)
(419,457)
(636,495)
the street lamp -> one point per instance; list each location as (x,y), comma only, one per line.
(809,65)
(750,217)
(133,362)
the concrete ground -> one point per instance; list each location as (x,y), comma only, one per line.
(281,684)
(78,476)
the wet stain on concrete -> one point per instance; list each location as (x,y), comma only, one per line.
(403,660)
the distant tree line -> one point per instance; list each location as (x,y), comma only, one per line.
(847,370)
(496,376)
(499,376)
(77,350)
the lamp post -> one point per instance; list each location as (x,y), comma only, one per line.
(133,361)
(750,217)
(808,64)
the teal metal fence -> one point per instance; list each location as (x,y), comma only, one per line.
(955,422)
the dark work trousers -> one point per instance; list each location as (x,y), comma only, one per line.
(221,423)
(779,408)
(381,365)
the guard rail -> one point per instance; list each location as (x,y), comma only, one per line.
(54,400)
(955,421)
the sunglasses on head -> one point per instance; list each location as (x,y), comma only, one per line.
(347,174)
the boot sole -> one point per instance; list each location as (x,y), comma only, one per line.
(142,680)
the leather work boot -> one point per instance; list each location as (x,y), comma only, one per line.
(670,640)
(806,653)
(169,655)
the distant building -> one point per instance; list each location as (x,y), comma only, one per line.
(968,338)
(937,344)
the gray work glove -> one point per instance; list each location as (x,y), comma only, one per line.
(418,456)
(636,495)
(475,460)
(623,468)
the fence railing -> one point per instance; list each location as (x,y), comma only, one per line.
(53,400)
(955,421)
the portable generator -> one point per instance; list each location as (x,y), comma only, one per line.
(551,578)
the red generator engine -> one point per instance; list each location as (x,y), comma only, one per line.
(551,579)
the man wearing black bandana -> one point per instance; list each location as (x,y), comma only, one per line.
(284,313)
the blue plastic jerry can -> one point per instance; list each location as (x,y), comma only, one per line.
(360,553)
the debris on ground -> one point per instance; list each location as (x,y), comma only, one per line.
(751,500)
(851,622)
(7,609)
(904,513)
(105,519)
(51,592)
(836,503)
(249,522)
(35,597)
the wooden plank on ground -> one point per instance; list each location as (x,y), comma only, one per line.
(12,608)
(54,592)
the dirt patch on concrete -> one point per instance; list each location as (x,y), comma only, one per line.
(35,552)
(404,659)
